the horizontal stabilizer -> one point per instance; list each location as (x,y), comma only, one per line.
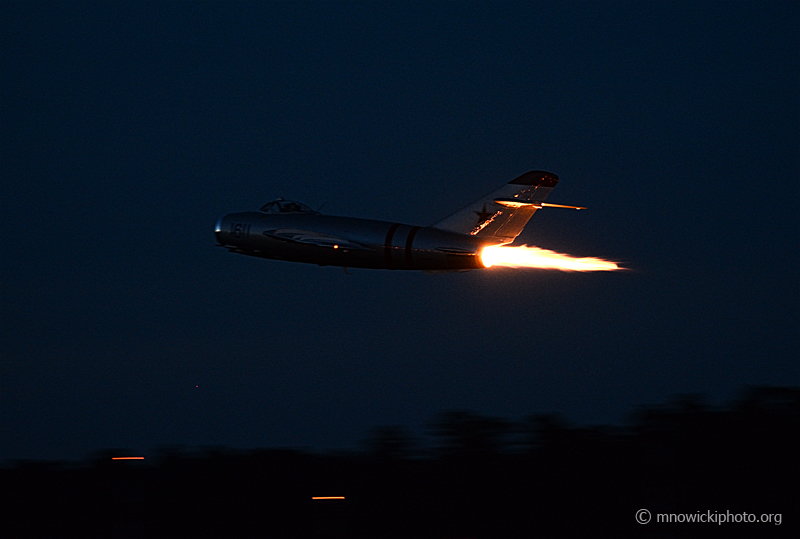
(517,203)
(548,205)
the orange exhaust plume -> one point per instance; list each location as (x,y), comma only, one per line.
(534,257)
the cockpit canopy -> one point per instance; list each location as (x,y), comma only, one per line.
(285,206)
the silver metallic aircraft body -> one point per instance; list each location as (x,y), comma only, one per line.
(288,230)
(347,241)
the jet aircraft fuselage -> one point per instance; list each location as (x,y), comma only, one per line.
(288,230)
(346,241)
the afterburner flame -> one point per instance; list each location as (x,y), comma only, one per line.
(534,257)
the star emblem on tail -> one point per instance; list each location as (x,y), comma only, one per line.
(483,216)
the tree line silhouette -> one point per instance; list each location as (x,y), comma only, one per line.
(478,476)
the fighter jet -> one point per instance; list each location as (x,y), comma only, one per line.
(289,230)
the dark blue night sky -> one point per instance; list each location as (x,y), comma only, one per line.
(128,130)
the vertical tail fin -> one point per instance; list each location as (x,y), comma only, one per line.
(502,214)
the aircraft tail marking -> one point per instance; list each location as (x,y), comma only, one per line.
(502,214)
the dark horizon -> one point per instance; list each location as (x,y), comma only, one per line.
(507,434)
(484,478)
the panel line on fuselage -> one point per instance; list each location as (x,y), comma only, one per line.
(387,246)
(410,246)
